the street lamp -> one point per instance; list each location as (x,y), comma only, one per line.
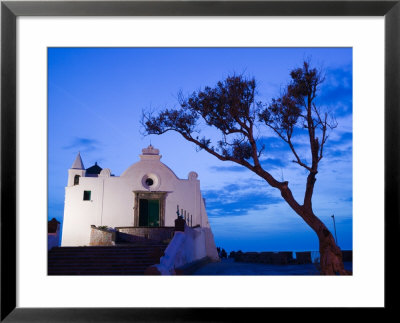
(334,226)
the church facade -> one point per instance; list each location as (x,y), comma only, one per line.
(148,194)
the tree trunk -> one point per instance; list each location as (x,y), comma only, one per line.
(330,255)
(331,260)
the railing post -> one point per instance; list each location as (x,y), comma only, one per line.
(180,224)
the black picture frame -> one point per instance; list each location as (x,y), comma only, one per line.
(10,10)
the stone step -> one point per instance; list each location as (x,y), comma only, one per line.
(103,260)
(127,256)
(119,252)
(107,251)
(103,263)
(107,248)
(110,253)
(95,266)
(108,271)
(155,253)
(129,259)
(110,259)
(102,273)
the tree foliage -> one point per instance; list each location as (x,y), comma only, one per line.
(228,107)
(231,107)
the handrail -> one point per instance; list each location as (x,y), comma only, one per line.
(185,215)
(187,247)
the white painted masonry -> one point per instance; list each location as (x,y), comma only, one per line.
(194,244)
(112,198)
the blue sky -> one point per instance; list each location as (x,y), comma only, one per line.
(96,97)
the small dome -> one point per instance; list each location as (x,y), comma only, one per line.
(94,170)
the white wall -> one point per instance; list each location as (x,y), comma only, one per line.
(79,215)
(112,199)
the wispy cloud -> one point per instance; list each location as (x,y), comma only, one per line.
(239,199)
(83,144)
(336,92)
(228,168)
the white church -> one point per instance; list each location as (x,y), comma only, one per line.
(148,194)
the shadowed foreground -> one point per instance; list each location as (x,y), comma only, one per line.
(122,259)
(230,267)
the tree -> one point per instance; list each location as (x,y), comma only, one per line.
(231,108)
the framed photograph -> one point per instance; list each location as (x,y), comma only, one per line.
(139,52)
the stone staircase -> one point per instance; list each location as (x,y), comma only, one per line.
(121,259)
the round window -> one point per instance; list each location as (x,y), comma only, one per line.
(151,181)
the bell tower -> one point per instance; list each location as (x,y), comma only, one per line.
(76,171)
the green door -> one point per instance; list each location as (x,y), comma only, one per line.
(149,213)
